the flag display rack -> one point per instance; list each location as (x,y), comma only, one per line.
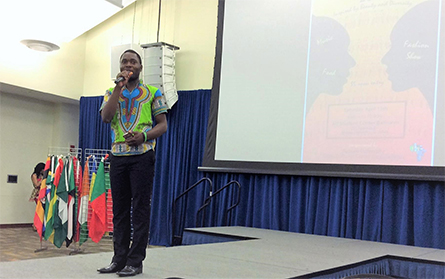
(68,155)
(93,159)
(77,200)
(42,248)
(65,151)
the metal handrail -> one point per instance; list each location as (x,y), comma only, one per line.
(177,239)
(207,202)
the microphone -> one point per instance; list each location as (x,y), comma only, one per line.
(119,79)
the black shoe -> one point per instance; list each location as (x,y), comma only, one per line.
(112,268)
(130,271)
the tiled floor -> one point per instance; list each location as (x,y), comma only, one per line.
(21,244)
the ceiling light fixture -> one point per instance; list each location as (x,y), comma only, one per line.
(40,45)
(54,22)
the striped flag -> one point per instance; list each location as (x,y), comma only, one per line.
(52,208)
(98,223)
(78,183)
(71,201)
(60,214)
(48,186)
(83,205)
(40,206)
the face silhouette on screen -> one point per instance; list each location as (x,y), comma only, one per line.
(411,60)
(329,59)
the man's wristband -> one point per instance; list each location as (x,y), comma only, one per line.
(145,136)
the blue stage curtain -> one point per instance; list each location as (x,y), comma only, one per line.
(93,133)
(390,267)
(392,211)
(179,153)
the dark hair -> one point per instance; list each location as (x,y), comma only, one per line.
(132,51)
(39,167)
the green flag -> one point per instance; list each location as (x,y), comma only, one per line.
(61,214)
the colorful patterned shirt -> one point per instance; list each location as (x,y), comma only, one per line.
(135,113)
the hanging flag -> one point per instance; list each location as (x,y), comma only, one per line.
(93,173)
(98,223)
(71,202)
(40,206)
(109,203)
(48,186)
(60,213)
(83,204)
(78,183)
(53,207)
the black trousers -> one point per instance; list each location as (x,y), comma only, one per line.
(131,179)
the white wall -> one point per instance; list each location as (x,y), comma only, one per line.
(59,73)
(188,24)
(82,68)
(28,128)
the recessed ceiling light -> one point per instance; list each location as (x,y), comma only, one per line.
(40,45)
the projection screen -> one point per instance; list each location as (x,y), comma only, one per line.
(351,88)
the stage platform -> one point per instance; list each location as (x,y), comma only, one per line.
(240,252)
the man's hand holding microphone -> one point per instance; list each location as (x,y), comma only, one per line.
(122,78)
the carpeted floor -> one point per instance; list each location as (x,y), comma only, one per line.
(21,243)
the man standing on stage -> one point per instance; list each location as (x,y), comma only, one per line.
(130,107)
